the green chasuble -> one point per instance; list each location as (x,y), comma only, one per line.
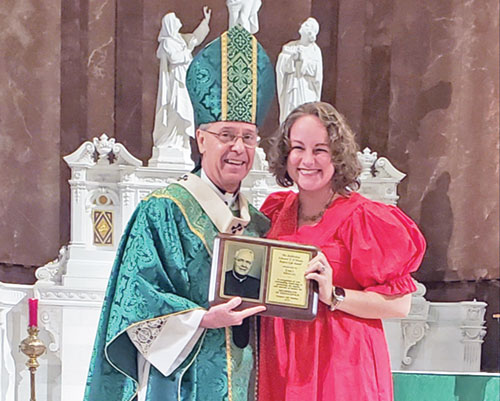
(162,268)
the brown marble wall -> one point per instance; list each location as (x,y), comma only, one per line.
(450,141)
(415,79)
(420,87)
(87,88)
(30,56)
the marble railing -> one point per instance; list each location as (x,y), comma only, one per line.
(437,336)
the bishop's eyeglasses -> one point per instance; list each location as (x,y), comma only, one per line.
(230,138)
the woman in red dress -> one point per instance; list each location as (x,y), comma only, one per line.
(368,250)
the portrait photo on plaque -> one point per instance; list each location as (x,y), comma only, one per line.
(264,272)
(243,269)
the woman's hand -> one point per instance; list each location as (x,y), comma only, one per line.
(365,304)
(320,271)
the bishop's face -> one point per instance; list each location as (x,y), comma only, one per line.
(226,164)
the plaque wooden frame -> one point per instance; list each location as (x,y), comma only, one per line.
(289,298)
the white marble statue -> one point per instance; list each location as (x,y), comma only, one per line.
(245,13)
(299,70)
(174,119)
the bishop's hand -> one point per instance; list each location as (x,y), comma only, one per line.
(224,315)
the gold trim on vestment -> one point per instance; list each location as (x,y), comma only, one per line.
(254,79)
(229,364)
(215,208)
(184,213)
(123,331)
(161,317)
(223,68)
(255,358)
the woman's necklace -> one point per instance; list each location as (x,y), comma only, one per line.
(318,215)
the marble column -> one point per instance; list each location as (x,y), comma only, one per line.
(87,89)
(419,86)
(444,131)
(30,56)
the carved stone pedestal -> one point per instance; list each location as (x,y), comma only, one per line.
(437,336)
(171,158)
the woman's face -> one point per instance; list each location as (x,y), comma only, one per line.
(309,162)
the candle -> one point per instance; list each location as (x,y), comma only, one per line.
(33,308)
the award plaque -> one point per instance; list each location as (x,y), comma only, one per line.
(264,272)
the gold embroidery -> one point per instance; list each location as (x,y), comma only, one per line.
(223,67)
(254,79)
(123,331)
(256,358)
(159,317)
(184,213)
(229,362)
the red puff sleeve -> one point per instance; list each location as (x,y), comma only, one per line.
(274,203)
(385,247)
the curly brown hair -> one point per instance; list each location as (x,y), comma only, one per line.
(342,145)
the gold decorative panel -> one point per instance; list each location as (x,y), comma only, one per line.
(103,227)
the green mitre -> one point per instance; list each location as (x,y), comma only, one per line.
(231,79)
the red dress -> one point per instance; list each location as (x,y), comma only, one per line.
(370,246)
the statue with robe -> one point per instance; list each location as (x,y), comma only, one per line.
(174,119)
(299,70)
(245,13)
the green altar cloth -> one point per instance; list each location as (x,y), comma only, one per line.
(446,386)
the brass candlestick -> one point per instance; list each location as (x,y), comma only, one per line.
(32,347)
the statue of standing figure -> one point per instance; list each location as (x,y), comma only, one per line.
(174,119)
(245,13)
(299,70)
